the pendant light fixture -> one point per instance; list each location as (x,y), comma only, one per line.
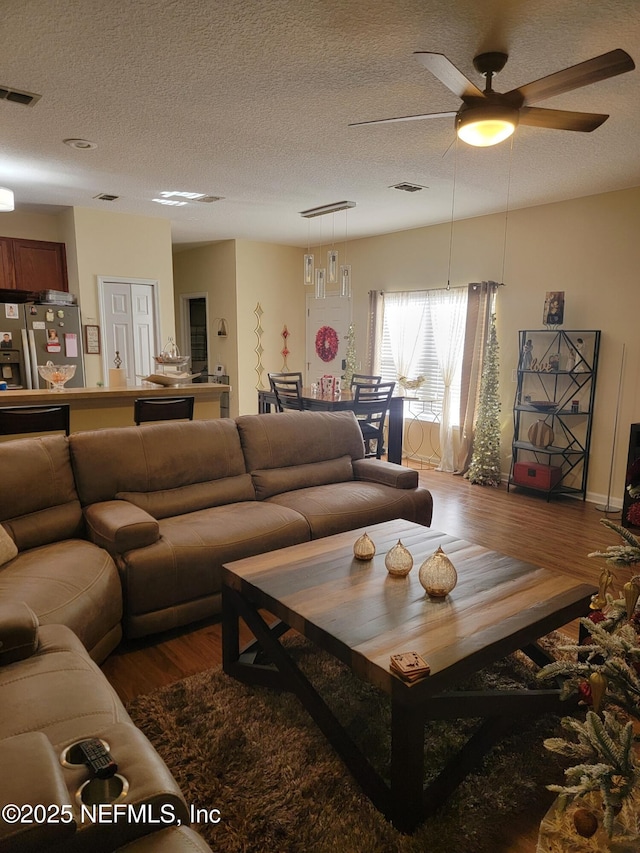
(332,273)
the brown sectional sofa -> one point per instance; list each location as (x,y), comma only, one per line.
(53,695)
(130,527)
(173,502)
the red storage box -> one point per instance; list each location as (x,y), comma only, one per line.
(536,476)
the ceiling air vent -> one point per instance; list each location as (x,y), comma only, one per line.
(407,187)
(27,99)
(106,197)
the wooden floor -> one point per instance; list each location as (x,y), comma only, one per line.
(558,535)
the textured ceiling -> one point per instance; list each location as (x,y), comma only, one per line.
(250,100)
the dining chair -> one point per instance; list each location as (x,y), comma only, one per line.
(15,420)
(371,404)
(147,409)
(365,379)
(287,391)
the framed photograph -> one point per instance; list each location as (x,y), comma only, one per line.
(92,340)
(553,314)
(308,269)
(332,266)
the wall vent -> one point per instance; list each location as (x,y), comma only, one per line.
(27,99)
(106,197)
(406,187)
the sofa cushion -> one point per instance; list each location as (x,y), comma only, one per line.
(8,548)
(48,510)
(154,458)
(277,480)
(177,579)
(168,502)
(73,583)
(58,691)
(298,438)
(346,506)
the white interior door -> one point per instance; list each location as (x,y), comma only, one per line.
(324,317)
(129,327)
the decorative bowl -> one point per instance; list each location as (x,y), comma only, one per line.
(544,405)
(56,374)
(178,361)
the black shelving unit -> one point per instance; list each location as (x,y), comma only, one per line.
(555,385)
(634,453)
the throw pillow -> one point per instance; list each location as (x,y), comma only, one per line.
(8,549)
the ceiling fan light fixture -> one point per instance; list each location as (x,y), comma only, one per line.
(6,200)
(483,126)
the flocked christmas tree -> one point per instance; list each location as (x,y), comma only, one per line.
(604,670)
(485,461)
(350,357)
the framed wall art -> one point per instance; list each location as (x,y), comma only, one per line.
(92,340)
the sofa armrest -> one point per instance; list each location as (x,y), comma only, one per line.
(120,526)
(32,776)
(386,473)
(18,631)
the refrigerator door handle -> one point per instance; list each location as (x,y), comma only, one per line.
(33,360)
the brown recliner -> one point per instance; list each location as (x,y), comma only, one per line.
(63,577)
(52,695)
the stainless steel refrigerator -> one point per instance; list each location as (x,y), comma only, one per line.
(34,333)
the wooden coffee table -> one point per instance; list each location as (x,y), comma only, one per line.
(360,614)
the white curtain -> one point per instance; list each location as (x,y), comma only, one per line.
(447,309)
(405,315)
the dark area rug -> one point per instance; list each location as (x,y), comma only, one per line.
(257,756)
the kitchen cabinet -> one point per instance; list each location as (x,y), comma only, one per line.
(32,264)
(553,410)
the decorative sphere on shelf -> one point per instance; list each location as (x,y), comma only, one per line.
(364,549)
(438,575)
(398,561)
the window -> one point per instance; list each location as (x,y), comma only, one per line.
(423,335)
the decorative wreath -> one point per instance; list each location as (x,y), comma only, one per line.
(326,343)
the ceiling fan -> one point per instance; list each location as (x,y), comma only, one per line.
(488,117)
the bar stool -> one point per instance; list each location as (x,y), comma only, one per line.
(147,409)
(15,420)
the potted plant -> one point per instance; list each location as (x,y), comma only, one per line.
(598,807)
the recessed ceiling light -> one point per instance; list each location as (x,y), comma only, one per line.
(171,201)
(180,194)
(80,144)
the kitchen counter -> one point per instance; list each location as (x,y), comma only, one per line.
(97,408)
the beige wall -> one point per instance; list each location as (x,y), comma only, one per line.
(271,276)
(103,243)
(211,269)
(32,226)
(237,276)
(587,247)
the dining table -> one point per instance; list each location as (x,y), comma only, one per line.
(343,401)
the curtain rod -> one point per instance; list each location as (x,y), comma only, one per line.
(474,284)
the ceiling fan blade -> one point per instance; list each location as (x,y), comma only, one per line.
(561,119)
(591,71)
(403,118)
(447,73)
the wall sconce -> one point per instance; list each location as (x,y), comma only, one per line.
(222,327)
